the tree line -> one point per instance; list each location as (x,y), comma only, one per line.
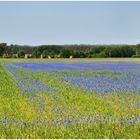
(65,51)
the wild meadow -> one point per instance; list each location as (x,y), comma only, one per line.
(69,99)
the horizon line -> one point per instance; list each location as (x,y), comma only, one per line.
(70,44)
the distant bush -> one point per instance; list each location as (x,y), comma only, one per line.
(14,56)
(98,55)
(136,56)
(101,54)
(7,56)
(21,53)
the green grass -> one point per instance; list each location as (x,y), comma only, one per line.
(137,60)
(85,73)
(58,105)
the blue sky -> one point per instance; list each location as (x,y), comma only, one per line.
(64,22)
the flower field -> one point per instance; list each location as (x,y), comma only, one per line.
(69,99)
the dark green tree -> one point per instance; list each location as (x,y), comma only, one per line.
(137,50)
(66,53)
(21,53)
(36,53)
(2,48)
(45,53)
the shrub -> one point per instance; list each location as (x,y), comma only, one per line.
(136,56)
(21,53)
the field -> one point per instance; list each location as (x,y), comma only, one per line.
(70,98)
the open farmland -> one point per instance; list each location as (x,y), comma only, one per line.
(79,98)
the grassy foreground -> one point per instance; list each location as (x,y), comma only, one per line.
(65,111)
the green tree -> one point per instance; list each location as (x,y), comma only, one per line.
(66,53)
(2,48)
(97,51)
(79,54)
(45,53)
(36,53)
(21,53)
(137,50)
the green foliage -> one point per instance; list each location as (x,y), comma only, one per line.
(66,53)
(97,50)
(2,48)
(99,55)
(123,51)
(138,50)
(136,56)
(45,53)
(8,56)
(52,49)
(77,51)
(79,54)
(36,53)
(21,53)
